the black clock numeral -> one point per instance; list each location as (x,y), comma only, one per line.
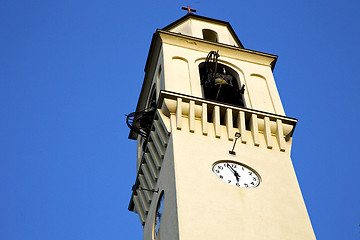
(233,165)
(250,173)
(246,185)
(229,181)
(237,184)
(221,177)
(217,171)
(243,168)
(254,179)
(220,167)
(252,183)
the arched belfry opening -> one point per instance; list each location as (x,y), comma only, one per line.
(210,35)
(220,82)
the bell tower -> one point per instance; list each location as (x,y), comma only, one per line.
(213,155)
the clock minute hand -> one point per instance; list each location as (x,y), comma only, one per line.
(233,171)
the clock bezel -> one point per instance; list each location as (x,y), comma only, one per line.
(241,164)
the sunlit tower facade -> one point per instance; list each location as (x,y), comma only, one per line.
(213,140)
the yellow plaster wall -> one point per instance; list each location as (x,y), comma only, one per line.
(209,208)
(188,81)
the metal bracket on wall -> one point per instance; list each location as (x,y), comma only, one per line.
(137,187)
(237,135)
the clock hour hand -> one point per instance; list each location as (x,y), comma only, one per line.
(233,171)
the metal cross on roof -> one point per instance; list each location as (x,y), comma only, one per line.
(188,9)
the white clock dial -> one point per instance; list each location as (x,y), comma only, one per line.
(236,174)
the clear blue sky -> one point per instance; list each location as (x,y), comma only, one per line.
(70,70)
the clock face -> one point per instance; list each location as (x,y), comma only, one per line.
(158,213)
(236,174)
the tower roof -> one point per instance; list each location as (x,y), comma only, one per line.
(190,16)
